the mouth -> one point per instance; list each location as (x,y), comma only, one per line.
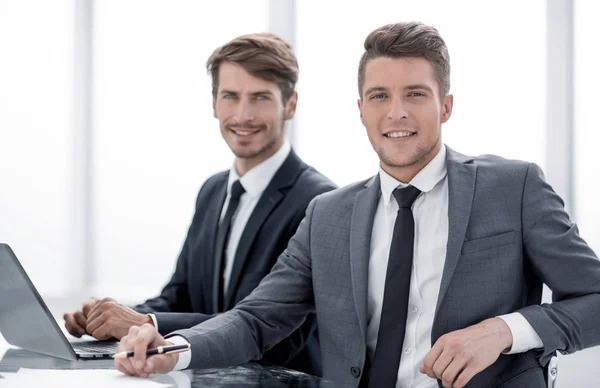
(244,132)
(399,134)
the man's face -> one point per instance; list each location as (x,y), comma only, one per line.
(403,113)
(251,113)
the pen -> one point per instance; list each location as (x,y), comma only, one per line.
(158,350)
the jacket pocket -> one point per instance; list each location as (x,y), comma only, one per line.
(494,241)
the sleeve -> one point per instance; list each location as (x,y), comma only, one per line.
(277,307)
(562,260)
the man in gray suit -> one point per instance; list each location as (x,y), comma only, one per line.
(428,274)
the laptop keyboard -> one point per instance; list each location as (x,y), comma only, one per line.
(95,347)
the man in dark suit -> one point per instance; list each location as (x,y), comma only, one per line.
(428,274)
(245,216)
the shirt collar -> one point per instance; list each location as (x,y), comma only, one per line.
(425,180)
(256,180)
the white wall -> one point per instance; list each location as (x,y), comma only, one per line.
(156,140)
(587,135)
(35,136)
(498,78)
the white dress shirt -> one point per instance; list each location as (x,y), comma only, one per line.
(430,212)
(255,181)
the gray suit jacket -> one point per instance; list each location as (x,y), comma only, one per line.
(508,234)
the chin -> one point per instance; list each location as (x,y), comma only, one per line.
(246,153)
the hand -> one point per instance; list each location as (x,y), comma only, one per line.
(458,356)
(139,339)
(77,321)
(108,318)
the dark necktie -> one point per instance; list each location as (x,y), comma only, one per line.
(223,237)
(384,369)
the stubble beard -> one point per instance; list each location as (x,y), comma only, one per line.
(249,154)
(419,155)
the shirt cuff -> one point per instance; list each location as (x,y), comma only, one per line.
(154,321)
(524,335)
(184,357)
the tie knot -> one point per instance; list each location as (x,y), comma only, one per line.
(237,190)
(405,196)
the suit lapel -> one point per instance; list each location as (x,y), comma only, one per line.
(461,187)
(361,228)
(283,179)
(213,214)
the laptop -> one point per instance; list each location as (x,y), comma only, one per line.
(26,322)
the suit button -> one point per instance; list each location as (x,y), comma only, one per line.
(355,371)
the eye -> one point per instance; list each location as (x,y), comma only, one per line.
(229,96)
(262,97)
(416,94)
(378,96)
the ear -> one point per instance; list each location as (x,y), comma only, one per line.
(360,108)
(447,104)
(290,106)
(214,104)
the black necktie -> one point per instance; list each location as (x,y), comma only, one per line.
(223,237)
(384,369)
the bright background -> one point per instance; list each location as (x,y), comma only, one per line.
(109,218)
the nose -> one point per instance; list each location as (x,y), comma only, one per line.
(397,109)
(244,111)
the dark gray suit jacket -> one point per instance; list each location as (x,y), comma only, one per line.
(508,234)
(189,297)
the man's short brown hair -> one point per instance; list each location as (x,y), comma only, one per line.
(408,40)
(264,55)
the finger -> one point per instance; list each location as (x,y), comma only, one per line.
(123,345)
(442,363)
(104,332)
(139,342)
(72,327)
(452,371)
(465,376)
(95,323)
(431,358)
(80,319)
(96,311)
(87,306)
(124,366)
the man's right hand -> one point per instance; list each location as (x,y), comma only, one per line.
(77,321)
(138,340)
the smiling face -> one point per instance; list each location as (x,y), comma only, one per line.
(251,115)
(401,108)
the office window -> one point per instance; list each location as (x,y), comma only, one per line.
(36,41)
(156,140)
(497,52)
(587,136)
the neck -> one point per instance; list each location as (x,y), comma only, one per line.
(243,165)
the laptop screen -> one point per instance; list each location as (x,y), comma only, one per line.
(25,320)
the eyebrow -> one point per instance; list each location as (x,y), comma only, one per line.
(409,87)
(262,92)
(419,86)
(257,93)
(376,89)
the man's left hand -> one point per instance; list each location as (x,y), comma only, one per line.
(108,318)
(458,356)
